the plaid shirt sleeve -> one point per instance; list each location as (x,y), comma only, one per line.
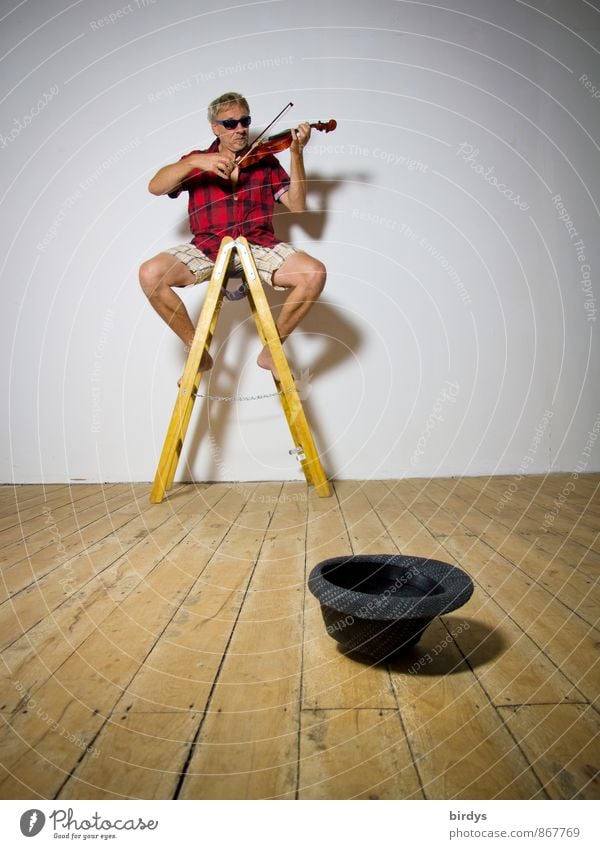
(184,184)
(280,180)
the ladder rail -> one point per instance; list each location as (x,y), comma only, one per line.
(190,381)
(290,400)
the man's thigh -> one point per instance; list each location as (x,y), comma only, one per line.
(290,273)
(270,260)
(190,265)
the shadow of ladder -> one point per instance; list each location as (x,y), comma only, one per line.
(305,448)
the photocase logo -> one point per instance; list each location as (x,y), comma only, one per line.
(32,822)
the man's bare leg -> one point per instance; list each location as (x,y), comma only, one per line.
(305,277)
(158,276)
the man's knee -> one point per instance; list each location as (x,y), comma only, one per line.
(151,276)
(315,276)
(163,271)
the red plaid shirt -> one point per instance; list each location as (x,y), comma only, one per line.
(216,210)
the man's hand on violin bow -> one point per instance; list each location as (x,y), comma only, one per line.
(221,164)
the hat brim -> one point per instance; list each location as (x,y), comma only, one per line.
(384,587)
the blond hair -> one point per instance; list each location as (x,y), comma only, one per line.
(230,98)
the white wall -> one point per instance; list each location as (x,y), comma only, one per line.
(458,330)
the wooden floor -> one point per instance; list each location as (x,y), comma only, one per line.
(174,651)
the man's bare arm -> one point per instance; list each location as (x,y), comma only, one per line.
(170,177)
(295,198)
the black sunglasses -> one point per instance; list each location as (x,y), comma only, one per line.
(231,123)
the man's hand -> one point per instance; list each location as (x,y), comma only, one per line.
(221,164)
(170,177)
(300,136)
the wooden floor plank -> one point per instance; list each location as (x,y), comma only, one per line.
(33,600)
(90,683)
(46,512)
(510,666)
(408,532)
(576,590)
(174,650)
(331,680)
(35,568)
(485,518)
(48,515)
(570,553)
(58,529)
(562,744)
(256,701)
(136,756)
(221,567)
(18,498)
(431,513)
(42,650)
(366,531)
(554,507)
(356,754)
(567,640)
(461,747)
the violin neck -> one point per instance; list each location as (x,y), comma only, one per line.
(319,125)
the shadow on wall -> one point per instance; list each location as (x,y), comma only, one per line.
(340,339)
(311,222)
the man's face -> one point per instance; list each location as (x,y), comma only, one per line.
(233,140)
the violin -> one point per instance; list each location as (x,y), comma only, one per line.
(277,143)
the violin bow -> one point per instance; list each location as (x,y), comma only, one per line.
(259,137)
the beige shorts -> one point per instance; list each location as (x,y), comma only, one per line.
(267,261)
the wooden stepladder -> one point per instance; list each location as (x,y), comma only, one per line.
(288,394)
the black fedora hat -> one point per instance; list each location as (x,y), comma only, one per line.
(379,604)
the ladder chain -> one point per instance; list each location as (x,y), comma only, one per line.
(244,397)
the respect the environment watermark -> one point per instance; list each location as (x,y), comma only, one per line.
(116,15)
(407,232)
(85,184)
(269,63)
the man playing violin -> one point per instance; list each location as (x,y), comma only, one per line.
(230,200)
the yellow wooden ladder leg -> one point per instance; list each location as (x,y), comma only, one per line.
(190,405)
(290,400)
(190,381)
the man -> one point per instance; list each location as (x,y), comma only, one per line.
(225,200)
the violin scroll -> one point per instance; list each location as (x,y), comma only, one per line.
(325,127)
